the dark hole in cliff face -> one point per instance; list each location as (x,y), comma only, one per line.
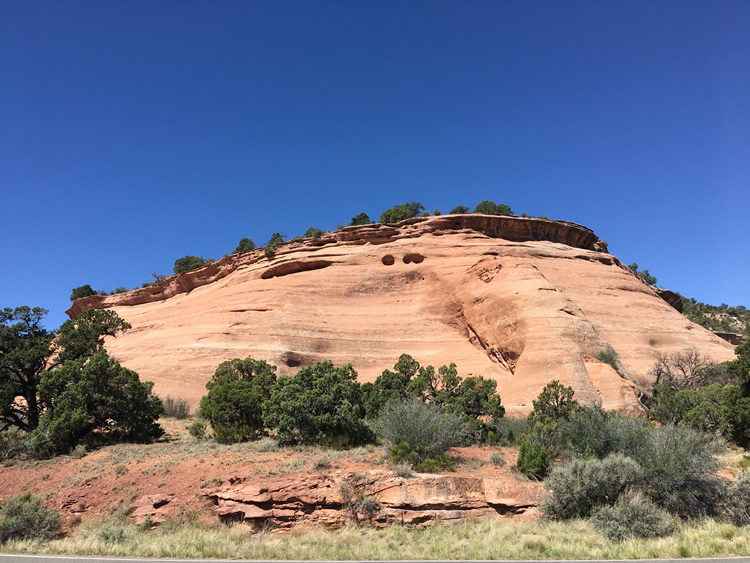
(415,258)
(388,260)
(293,360)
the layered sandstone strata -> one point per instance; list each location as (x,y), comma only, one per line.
(519,300)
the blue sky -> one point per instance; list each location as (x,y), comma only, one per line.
(134,133)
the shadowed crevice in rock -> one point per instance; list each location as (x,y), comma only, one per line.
(288,268)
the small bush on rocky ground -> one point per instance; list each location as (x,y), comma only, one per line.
(737,501)
(403,470)
(358,504)
(633,515)
(266,445)
(322,463)
(24,516)
(174,407)
(497,459)
(533,459)
(198,430)
(419,433)
(576,489)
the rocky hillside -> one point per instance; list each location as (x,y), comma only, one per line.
(520,300)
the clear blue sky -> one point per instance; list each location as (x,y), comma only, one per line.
(134,133)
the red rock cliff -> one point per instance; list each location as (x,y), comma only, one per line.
(521,300)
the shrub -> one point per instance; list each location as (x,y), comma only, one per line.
(737,501)
(679,470)
(426,430)
(12,443)
(403,470)
(94,393)
(591,431)
(198,429)
(321,404)
(609,357)
(633,515)
(554,403)
(245,245)
(113,534)
(357,503)
(81,291)
(533,459)
(188,263)
(361,219)
(174,407)
(314,232)
(458,210)
(508,431)
(574,490)
(233,434)
(234,403)
(24,516)
(401,212)
(491,208)
(497,459)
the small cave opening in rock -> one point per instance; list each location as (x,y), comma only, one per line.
(413,258)
(388,260)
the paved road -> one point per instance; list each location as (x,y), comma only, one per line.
(67,559)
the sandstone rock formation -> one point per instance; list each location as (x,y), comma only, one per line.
(519,300)
(377,496)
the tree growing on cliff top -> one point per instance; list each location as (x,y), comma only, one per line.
(361,219)
(82,291)
(245,245)
(491,208)
(643,274)
(401,212)
(188,264)
(314,232)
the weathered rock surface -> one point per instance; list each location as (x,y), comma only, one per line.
(522,301)
(153,508)
(378,497)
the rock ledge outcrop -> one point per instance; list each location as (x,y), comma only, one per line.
(380,498)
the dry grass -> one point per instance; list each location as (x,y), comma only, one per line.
(496,539)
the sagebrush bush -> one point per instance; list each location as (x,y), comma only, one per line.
(737,501)
(577,488)
(497,459)
(24,516)
(679,471)
(425,429)
(198,429)
(633,515)
(175,407)
(591,431)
